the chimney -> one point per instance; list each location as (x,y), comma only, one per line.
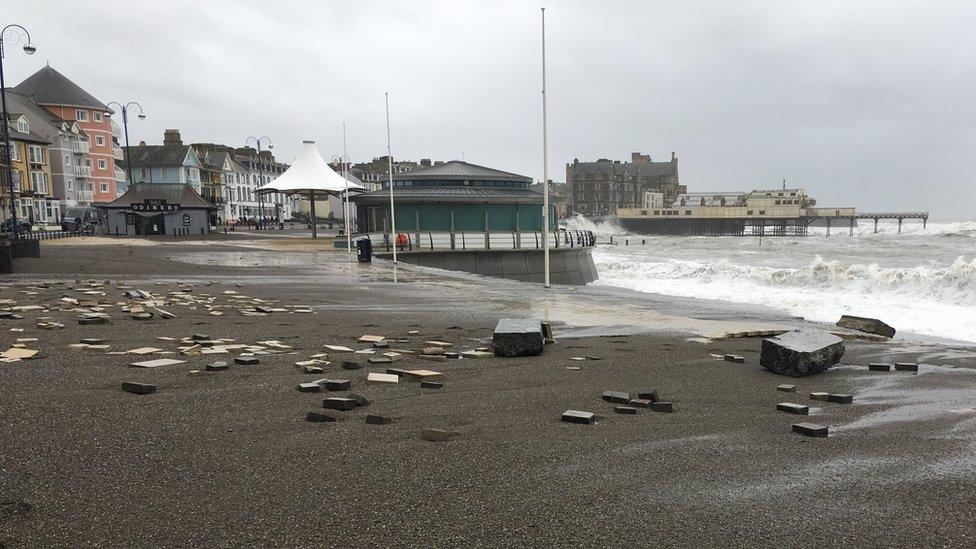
(142,143)
(172,138)
(425,162)
(674,158)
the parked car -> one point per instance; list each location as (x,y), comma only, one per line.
(79,218)
(23,225)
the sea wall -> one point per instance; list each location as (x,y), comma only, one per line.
(566,265)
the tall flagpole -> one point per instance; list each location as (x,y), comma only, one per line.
(345,197)
(389,159)
(545,160)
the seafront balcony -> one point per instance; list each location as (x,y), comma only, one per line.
(81,147)
(83,171)
(117,152)
(85,196)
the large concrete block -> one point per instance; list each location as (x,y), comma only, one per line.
(801,353)
(518,337)
(865,324)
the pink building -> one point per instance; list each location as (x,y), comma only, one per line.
(89,177)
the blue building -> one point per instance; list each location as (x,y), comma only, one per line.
(454,196)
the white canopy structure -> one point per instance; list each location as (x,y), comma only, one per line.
(310,176)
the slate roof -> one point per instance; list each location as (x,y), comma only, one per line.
(470,195)
(456,169)
(138,193)
(630,169)
(42,121)
(49,87)
(156,155)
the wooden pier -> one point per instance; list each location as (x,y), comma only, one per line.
(852,220)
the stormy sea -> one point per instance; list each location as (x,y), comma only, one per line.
(922,281)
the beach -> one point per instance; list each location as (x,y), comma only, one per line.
(227,459)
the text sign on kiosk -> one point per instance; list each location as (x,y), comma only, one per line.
(155,205)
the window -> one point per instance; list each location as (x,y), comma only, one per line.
(97,116)
(778,202)
(762,212)
(102,164)
(657,212)
(103,187)
(70,184)
(67,160)
(14,153)
(142,172)
(23,126)
(749,212)
(100,140)
(35,154)
(39,182)
(687,212)
(81,116)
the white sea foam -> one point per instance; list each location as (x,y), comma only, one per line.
(922,282)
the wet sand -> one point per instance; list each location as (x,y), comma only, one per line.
(227,459)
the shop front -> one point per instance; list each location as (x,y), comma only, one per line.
(148,209)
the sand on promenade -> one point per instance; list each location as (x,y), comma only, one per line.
(227,459)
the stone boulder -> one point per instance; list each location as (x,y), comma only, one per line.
(864,324)
(801,352)
(518,337)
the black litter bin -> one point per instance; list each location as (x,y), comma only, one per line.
(364,250)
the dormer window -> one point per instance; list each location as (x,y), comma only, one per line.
(23,126)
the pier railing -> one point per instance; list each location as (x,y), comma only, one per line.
(461,240)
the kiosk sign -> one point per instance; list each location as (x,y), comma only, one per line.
(155,205)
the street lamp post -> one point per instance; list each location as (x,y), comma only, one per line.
(125,126)
(257,141)
(343,161)
(29,49)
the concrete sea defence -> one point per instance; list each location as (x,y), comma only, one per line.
(566,265)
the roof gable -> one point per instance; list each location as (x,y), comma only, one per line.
(457,169)
(49,87)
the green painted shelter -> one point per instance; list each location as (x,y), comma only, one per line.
(454,196)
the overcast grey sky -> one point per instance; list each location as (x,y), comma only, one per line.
(864,103)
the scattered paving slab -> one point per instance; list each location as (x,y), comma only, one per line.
(18,353)
(91,341)
(906,367)
(578,416)
(340,403)
(547,333)
(738,359)
(379,360)
(371,338)
(432,351)
(309,388)
(142,316)
(337,384)
(338,348)
(423,374)
(437,343)
(157,363)
(143,351)
(616,397)
(312,369)
(217,366)
(316,416)
(801,352)
(377,377)
(350,365)
(641,402)
(518,337)
(624,409)
(661,406)
(452,355)
(374,419)
(433,358)
(647,393)
(786,388)
(879,367)
(477,354)
(246,360)
(811,429)
(840,398)
(137,388)
(792,408)
(819,396)
(381,344)
(435,435)
(431,385)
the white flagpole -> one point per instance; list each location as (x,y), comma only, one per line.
(545,160)
(345,197)
(389,158)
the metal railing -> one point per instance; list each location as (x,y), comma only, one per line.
(460,240)
(49,235)
(81,147)
(83,171)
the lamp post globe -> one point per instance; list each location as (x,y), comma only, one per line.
(29,49)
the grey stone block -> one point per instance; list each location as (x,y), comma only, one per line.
(647,393)
(661,406)
(92,341)
(616,397)
(840,398)
(200,337)
(374,419)
(319,417)
(906,366)
(801,353)
(431,385)
(340,403)
(865,324)
(878,367)
(623,409)
(791,408)
(246,360)
(810,429)
(309,388)
(138,388)
(312,369)
(518,337)
(641,402)
(786,388)
(435,435)
(336,384)
(578,416)
(217,367)
(349,365)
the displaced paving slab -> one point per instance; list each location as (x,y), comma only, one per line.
(801,352)
(157,363)
(137,388)
(518,337)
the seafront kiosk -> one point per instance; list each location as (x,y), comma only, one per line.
(158,209)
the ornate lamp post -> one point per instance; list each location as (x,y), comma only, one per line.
(29,49)
(257,141)
(125,125)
